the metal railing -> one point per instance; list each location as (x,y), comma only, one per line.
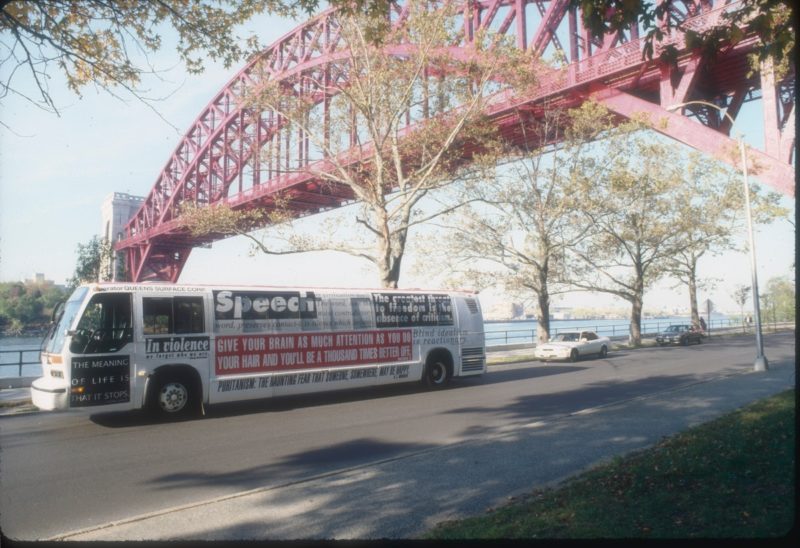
(649,329)
(19,358)
(23,356)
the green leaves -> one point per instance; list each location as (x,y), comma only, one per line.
(398,94)
(93,262)
(108,43)
(772,21)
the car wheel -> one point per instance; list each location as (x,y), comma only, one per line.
(603,352)
(573,356)
(685,341)
(699,340)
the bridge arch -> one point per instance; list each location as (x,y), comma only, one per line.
(219,158)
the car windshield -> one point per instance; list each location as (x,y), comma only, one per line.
(565,337)
(674,329)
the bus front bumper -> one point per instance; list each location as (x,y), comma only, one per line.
(49,394)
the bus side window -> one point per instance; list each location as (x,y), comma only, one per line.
(106,325)
(363,317)
(157,314)
(167,315)
(444,310)
(189,315)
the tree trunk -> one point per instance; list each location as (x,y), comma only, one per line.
(388,262)
(386,274)
(693,301)
(543,301)
(392,277)
(543,316)
(635,337)
(692,283)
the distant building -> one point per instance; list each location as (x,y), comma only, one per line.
(40,279)
(561,312)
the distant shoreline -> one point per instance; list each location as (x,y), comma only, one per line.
(625,319)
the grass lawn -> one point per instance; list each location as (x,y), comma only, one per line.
(732,477)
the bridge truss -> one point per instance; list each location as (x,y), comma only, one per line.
(222,158)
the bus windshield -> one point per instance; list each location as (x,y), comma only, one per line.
(56,335)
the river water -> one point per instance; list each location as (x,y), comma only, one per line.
(497,333)
(30,345)
(524,331)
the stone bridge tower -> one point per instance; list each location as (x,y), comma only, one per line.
(116,211)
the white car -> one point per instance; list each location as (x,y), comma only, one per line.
(572,345)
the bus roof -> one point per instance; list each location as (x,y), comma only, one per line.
(166,286)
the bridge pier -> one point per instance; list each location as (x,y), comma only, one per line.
(118,208)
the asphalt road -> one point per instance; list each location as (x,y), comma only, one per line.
(367,464)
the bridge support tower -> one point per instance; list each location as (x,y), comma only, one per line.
(118,208)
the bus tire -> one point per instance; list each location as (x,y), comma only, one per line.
(174,395)
(438,370)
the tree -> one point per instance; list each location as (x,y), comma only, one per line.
(26,304)
(740,296)
(772,21)
(94,262)
(107,43)
(21,302)
(633,215)
(709,205)
(779,300)
(393,130)
(709,202)
(527,217)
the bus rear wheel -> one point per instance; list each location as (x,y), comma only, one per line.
(437,373)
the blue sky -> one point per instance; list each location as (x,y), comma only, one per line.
(56,171)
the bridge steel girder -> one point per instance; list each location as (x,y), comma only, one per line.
(777,174)
(227,137)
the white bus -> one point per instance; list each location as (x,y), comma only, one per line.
(175,348)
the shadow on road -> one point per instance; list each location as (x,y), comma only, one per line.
(585,397)
(288,403)
(336,499)
(292,467)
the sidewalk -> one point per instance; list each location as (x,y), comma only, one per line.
(15,395)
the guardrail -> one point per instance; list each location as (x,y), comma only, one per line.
(22,356)
(20,359)
(649,329)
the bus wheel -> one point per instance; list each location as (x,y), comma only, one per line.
(173,397)
(437,373)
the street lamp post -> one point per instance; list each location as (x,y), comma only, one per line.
(761,363)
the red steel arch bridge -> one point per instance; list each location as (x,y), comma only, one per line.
(219,160)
